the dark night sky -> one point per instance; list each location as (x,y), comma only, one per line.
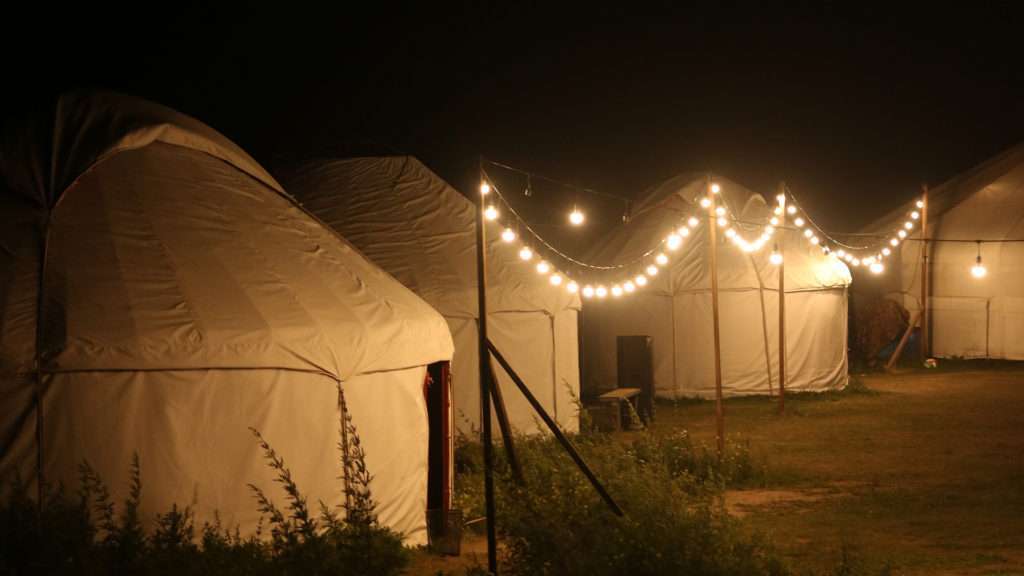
(854,108)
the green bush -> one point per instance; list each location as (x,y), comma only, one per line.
(83,535)
(667,485)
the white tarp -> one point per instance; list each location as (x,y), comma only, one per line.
(970,317)
(184,298)
(411,223)
(675,308)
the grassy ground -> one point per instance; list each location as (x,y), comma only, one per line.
(923,473)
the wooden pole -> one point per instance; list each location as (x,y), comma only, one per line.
(782,301)
(903,342)
(925,340)
(485,375)
(713,249)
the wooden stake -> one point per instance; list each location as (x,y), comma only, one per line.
(712,226)
(782,304)
(925,340)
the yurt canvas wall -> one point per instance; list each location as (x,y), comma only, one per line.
(675,309)
(160,294)
(969,317)
(413,224)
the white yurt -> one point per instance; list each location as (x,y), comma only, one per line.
(410,222)
(161,294)
(969,316)
(674,309)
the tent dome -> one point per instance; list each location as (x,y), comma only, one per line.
(161,293)
(675,307)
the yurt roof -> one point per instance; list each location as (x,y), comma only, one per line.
(169,248)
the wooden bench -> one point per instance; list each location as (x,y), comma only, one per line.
(625,399)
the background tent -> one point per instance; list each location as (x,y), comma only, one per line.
(675,307)
(969,317)
(160,294)
(413,224)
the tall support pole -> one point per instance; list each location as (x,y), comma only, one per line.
(925,340)
(713,248)
(782,299)
(484,357)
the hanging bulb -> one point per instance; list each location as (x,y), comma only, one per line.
(915,214)
(588,291)
(616,291)
(722,222)
(730,233)
(652,270)
(673,241)
(601,292)
(640,280)
(529,187)
(508,235)
(715,188)
(978,270)
(894,242)
(555,279)
(661,259)
(808,233)
(576,217)
(776,257)
(791,209)
(908,224)
(841,253)
(855,262)
(902,234)
(543,267)
(491,213)
(769,230)
(485,189)
(886,251)
(877,268)
(920,204)
(774,221)
(815,240)
(778,211)
(572,287)
(525,253)
(683,231)
(720,211)
(693,222)
(629,286)
(705,202)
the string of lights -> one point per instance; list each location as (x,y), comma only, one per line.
(637,273)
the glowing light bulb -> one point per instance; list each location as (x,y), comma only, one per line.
(491,213)
(877,268)
(720,211)
(543,267)
(841,253)
(705,202)
(572,287)
(722,222)
(774,221)
(693,222)
(640,280)
(778,211)
(730,233)
(979,270)
(815,240)
(775,258)
(576,217)
(555,279)
(652,270)
(855,262)
(508,235)
(588,291)
(799,222)
(661,259)
(616,291)
(485,189)
(601,292)
(715,188)
(915,214)
(848,257)
(525,253)
(902,234)
(673,241)
(769,230)
(808,233)
(791,209)
(781,198)
(629,286)
(894,242)
(908,224)
(920,204)
(886,251)
(683,231)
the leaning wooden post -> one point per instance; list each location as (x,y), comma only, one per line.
(924,274)
(483,355)
(782,298)
(713,249)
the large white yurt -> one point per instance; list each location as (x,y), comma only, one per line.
(410,222)
(969,316)
(160,294)
(674,309)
